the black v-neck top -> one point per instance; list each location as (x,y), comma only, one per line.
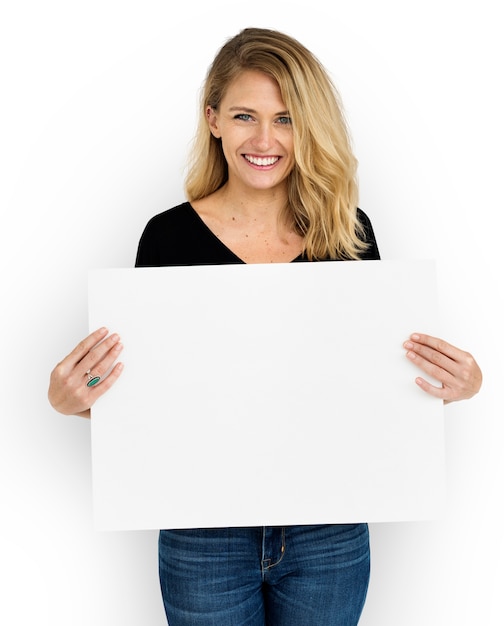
(179,236)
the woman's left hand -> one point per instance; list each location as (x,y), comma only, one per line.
(456,370)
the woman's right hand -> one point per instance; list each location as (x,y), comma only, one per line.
(94,356)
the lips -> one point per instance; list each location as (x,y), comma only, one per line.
(261,161)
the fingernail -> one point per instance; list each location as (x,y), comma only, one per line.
(408,345)
(415,337)
(411,355)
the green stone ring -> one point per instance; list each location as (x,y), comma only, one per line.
(92,380)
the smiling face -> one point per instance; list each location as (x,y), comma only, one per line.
(256,132)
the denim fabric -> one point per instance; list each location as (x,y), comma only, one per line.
(265,576)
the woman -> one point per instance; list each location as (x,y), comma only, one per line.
(272,179)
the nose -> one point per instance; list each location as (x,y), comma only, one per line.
(264,137)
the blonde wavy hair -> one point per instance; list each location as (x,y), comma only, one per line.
(322,187)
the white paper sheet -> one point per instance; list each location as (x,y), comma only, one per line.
(266,395)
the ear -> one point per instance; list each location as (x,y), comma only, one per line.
(212,119)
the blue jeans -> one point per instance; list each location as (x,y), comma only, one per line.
(265,576)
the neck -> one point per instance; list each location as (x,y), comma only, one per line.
(263,205)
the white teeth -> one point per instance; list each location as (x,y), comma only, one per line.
(261,160)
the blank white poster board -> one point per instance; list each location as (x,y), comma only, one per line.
(266,395)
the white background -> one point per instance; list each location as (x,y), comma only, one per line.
(98,107)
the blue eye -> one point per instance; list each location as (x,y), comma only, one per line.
(243,116)
(285,120)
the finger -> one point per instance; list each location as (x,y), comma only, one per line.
(432,361)
(104,350)
(456,369)
(83,347)
(68,392)
(438,392)
(81,398)
(457,362)
(66,377)
(71,395)
(444,393)
(437,368)
(100,359)
(439,345)
(105,383)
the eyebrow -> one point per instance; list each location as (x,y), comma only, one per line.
(247,110)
